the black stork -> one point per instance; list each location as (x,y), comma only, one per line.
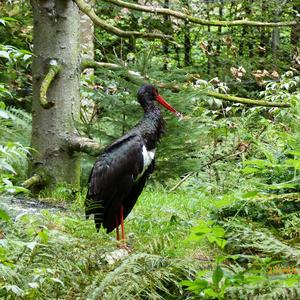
(120,172)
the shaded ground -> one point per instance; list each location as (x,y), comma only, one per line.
(17,206)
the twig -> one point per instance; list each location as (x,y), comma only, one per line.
(181,181)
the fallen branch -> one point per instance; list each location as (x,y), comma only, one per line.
(196,20)
(54,69)
(86,145)
(246,101)
(88,10)
(33,180)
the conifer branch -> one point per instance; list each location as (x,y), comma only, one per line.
(196,20)
(88,10)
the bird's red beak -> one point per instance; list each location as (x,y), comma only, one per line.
(164,103)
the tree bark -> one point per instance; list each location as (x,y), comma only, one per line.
(56,37)
(165,42)
(187,38)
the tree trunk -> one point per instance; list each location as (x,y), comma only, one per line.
(166,42)
(56,37)
(276,31)
(187,38)
(87,39)
(295,33)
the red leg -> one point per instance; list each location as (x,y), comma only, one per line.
(117,228)
(122,222)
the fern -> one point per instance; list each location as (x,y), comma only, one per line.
(244,237)
(16,127)
(263,291)
(143,276)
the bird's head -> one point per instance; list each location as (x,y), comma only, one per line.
(147,94)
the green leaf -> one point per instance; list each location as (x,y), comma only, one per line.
(221,243)
(44,237)
(294,152)
(211,293)
(250,194)
(217,276)
(292,281)
(295,163)
(218,231)
(4,215)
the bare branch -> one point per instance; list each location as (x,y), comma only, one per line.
(196,20)
(83,144)
(88,10)
(52,72)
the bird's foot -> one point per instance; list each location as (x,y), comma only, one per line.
(122,244)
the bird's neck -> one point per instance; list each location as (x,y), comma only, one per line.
(151,127)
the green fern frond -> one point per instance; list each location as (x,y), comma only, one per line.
(263,292)
(143,276)
(245,237)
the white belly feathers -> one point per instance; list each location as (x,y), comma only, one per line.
(148,156)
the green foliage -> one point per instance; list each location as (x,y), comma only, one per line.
(15,129)
(147,277)
(242,163)
(214,234)
(12,160)
(58,254)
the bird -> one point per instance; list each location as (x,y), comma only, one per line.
(121,171)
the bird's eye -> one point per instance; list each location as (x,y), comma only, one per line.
(155,92)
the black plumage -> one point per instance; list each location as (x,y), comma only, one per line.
(120,173)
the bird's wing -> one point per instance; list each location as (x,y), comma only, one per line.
(113,175)
(136,190)
(125,158)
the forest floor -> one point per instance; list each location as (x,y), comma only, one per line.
(49,251)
